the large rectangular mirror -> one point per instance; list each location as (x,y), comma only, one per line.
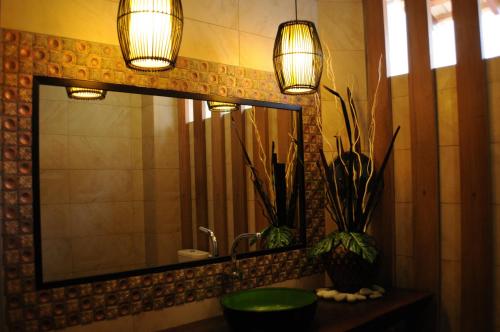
(148,179)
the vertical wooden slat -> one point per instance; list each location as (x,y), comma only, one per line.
(185,175)
(239,179)
(219,181)
(262,122)
(475,179)
(383,224)
(284,119)
(425,167)
(200,171)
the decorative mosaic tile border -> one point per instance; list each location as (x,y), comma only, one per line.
(24,54)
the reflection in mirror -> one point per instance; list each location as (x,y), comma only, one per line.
(138,181)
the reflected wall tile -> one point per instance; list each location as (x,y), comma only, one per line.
(449,174)
(53,117)
(496,235)
(450,231)
(493,69)
(99,153)
(402,176)
(137,185)
(446,78)
(218,44)
(341,25)
(55,221)
(404,271)
(167,180)
(56,255)
(404,229)
(399,86)
(100,186)
(136,153)
(219,12)
(450,288)
(256,51)
(100,120)
(496,298)
(53,152)
(166,247)
(166,155)
(54,186)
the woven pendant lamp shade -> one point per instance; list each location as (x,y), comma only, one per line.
(85,93)
(219,106)
(298,57)
(150,33)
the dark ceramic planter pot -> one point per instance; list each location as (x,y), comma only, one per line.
(348,271)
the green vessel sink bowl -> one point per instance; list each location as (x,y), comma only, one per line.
(270,309)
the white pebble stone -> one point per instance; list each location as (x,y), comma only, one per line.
(351,298)
(360,297)
(378,289)
(339,297)
(365,291)
(375,295)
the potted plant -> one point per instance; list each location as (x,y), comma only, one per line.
(353,188)
(278,190)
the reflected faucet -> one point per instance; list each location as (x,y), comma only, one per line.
(213,240)
(234,262)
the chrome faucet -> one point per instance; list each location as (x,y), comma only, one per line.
(234,262)
(213,241)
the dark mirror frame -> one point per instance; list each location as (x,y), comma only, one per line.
(41,80)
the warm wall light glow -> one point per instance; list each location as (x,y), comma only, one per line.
(298,57)
(219,106)
(85,93)
(150,33)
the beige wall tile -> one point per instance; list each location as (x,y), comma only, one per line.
(399,86)
(256,51)
(496,234)
(404,271)
(404,229)
(341,25)
(166,154)
(446,78)
(450,289)
(100,186)
(401,117)
(55,221)
(450,231)
(262,17)
(218,12)
(136,153)
(137,185)
(54,186)
(494,110)
(167,180)
(493,69)
(93,20)
(349,70)
(495,167)
(53,152)
(333,124)
(449,174)
(209,42)
(447,117)
(402,176)
(166,246)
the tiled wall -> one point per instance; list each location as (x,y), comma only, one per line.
(233,32)
(90,159)
(25,54)
(450,201)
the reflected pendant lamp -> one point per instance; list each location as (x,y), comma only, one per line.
(297,57)
(150,33)
(85,93)
(219,106)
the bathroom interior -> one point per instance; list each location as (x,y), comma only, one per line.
(188,188)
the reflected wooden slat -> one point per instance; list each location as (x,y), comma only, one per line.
(262,123)
(185,175)
(200,171)
(239,179)
(284,129)
(219,181)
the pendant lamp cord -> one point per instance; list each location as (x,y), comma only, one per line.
(296,17)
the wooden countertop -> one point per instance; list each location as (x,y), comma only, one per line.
(339,317)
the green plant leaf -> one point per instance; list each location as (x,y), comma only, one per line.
(323,246)
(363,245)
(278,237)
